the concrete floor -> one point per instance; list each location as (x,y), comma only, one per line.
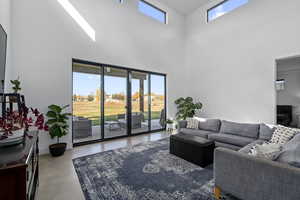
(58,179)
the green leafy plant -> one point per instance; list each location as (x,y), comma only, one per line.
(57,121)
(16,85)
(186,108)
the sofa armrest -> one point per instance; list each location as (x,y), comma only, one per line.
(182,124)
(247,177)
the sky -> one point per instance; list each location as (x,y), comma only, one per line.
(224,8)
(151,11)
(85,84)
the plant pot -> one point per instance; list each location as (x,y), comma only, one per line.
(169,126)
(13,99)
(57,149)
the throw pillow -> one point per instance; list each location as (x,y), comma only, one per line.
(282,135)
(192,123)
(291,152)
(268,151)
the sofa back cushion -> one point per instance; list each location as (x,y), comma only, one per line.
(209,124)
(266,131)
(290,153)
(241,129)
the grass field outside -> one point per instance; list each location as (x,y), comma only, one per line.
(92,111)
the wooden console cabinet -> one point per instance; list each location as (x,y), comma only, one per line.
(19,170)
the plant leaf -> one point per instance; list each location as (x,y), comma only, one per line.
(55,108)
(51,114)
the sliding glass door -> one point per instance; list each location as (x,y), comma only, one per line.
(111,102)
(139,102)
(158,99)
(115,102)
(86,102)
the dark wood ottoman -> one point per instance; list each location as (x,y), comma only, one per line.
(197,150)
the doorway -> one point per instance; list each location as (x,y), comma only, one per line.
(288,91)
(112,102)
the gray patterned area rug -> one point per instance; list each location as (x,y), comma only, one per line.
(143,172)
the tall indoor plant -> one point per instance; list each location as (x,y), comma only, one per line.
(16,85)
(58,127)
(186,108)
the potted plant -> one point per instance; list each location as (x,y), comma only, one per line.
(16,88)
(15,124)
(169,123)
(58,127)
(186,108)
(16,85)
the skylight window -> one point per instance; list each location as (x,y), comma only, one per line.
(223,8)
(152,11)
(78,18)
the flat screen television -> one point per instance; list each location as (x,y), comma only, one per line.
(3,48)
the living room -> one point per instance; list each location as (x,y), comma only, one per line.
(226,61)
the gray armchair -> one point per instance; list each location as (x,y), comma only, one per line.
(136,121)
(82,128)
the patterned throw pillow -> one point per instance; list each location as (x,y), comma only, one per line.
(266,150)
(282,135)
(192,123)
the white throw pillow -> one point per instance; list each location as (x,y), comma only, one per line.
(283,134)
(192,123)
(268,151)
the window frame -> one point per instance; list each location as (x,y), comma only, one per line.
(157,8)
(207,12)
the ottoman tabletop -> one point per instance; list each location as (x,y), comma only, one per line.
(195,140)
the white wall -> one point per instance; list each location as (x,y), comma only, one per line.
(231,61)
(291,94)
(5,21)
(46,38)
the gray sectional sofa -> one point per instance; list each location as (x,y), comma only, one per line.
(239,174)
(227,134)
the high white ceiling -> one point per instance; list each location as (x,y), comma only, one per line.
(184,6)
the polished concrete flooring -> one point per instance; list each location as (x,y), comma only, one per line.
(58,179)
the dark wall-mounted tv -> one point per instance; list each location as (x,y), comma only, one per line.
(3,49)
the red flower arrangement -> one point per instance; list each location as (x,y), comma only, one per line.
(15,120)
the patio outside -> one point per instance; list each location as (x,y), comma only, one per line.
(87,110)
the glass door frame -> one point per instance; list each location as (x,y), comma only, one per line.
(128,100)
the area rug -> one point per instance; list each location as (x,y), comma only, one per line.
(143,172)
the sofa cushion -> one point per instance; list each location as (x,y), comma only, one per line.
(290,153)
(247,148)
(196,132)
(227,146)
(209,124)
(266,131)
(182,124)
(231,139)
(240,129)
